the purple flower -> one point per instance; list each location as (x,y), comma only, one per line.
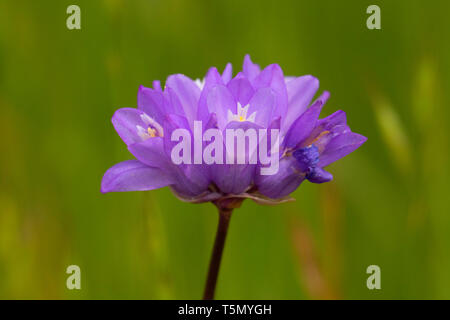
(253,99)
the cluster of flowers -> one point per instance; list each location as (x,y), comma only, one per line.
(253,98)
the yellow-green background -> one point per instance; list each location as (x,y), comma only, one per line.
(388,204)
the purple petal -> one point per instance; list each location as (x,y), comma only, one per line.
(241,89)
(340,146)
(152,103)
(151,152)
(335,119)
(192,178)
(275,124)
(250,69)
(219,101)
(157,85)
(284,182)
(300,90)
(172,104)
(187,92)
(170,124)
(303,126)
(212,79)
(272,77)
(227,73)
(125,121)
(133,175)
(235,178)
(263,103)
(200,173)
(245,125)
(323,97)
(198,177)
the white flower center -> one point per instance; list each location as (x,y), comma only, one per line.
(241,114)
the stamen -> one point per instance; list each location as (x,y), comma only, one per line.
(142,133)
(151,123)
(151,132)
(147,120)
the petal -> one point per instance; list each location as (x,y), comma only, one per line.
(250,69)
(198,178)
(187,92)
(327,129)
(300,91)
(263,103)
(323,97)
(245,125)
(172,104)
(125,121)
(227,73)
(157,85)
(272,77)
(219,101)
(133,175)
(337,118)
(151,152)
(241,89)
(282,183)
(303,126)
(318,175)
(192,178)
(152,103)
(212,79)
(235,178)
(339,147)
(274,125)
(171,123)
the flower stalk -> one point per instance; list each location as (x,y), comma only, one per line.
(216,257)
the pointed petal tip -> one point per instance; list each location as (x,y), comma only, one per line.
(308,80)
(359,139)
(227,73)
(143,89)
(132,175)
(212,69)
(324,96)
(104,190)
(319,175)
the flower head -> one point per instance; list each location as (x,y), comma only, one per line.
(254,99)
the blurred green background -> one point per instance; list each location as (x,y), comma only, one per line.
(388,204)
